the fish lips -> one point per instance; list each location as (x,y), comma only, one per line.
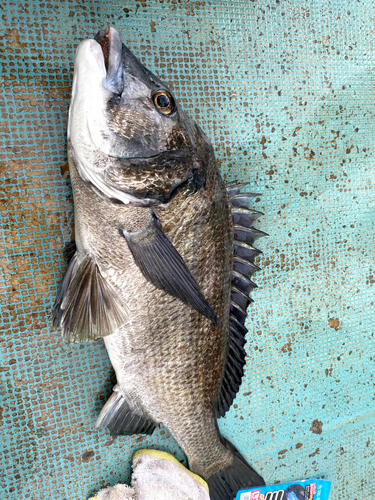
(112,48)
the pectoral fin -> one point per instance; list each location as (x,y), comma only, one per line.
(162,265)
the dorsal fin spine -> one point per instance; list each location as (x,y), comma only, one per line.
(243,277)
(243,260)
(252,268)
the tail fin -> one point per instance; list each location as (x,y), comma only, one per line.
(120,419)
(225,484)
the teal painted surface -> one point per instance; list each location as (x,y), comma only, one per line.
(285,90)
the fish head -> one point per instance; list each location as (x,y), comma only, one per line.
(130,136)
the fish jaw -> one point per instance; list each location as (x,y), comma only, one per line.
(93,86)
(112,48)
(93,72)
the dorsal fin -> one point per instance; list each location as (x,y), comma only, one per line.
(243,267)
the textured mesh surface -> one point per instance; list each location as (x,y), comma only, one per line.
(285,90)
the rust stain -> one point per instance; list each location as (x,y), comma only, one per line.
(87,456)
(282,452)
(314,453)
(13,39)
(334,323)
(316,427)
(287,348)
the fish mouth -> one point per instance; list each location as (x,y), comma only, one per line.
(111,45)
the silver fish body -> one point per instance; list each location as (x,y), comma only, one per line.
(154,272)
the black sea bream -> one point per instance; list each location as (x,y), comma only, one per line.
(164,254)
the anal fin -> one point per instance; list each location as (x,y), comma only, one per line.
(120,419)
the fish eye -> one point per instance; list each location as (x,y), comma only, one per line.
(164,102)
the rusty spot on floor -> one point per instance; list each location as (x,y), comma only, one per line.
(87,456)
(334,323)
(13,39)
(287,348)
(316,427)
(282,452)
(314,453)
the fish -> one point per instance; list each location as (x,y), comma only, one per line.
(163,260)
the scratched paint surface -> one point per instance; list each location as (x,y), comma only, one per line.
(286,92)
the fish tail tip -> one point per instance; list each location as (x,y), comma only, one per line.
(225,484)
